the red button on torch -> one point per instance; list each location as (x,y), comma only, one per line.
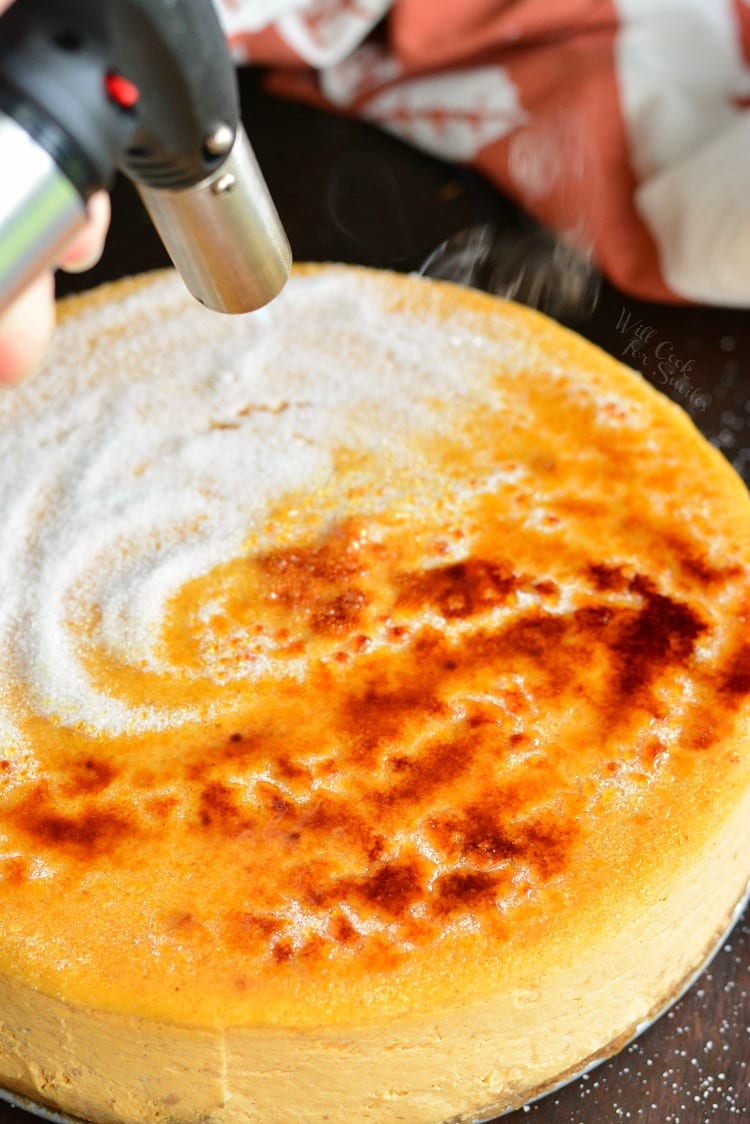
(121,90)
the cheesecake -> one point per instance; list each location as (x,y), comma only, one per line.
(374,710)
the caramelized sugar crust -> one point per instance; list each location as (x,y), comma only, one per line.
(500,677)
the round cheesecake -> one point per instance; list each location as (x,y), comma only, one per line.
(375,707)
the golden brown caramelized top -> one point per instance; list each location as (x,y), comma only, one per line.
(472,676)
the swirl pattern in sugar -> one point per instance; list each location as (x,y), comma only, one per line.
(141,458)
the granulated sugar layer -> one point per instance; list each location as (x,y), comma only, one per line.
(122,483)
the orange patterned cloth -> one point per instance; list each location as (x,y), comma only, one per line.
(621,124)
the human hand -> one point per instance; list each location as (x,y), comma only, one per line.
(27,324)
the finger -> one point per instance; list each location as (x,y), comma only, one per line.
(86,248)
(25,330)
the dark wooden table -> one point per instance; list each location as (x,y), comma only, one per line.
(347,192)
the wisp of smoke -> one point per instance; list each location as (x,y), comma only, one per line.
(534,267)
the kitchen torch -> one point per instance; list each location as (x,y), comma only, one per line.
(88,87)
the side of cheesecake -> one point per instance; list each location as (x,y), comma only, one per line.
(375,706)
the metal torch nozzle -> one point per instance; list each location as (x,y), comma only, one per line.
(223,234)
